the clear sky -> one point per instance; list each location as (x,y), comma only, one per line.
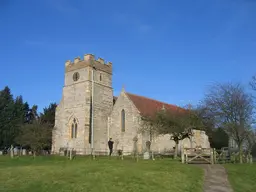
(165,49)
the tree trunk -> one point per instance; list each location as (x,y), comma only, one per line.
(240,153)
(34,153)
(176,149)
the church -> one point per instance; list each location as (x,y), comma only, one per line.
(89,114)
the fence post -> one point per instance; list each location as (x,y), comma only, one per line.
(11,152)
(182,154)
(122,155)
(212,156)
(186,156)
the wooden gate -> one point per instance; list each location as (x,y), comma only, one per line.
(197,155)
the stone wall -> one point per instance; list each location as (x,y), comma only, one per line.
(76,104)
(134,125)
(57,133)
(103,104)
(124,140)
(200,139)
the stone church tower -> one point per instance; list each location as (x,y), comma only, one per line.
(87,102)
(80,102)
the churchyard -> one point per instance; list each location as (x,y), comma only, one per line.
(55,173)
(223,164)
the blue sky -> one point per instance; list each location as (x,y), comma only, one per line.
(168,50)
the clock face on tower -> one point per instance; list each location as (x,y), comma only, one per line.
(76,76)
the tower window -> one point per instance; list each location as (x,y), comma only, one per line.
(100,77)
(74,129)
(76,76)
(123,120)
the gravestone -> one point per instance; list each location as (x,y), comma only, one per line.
(24,152)
(62,153)
(15,151)
(1,152)
(146,153)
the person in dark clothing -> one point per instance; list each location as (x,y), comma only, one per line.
(110,146)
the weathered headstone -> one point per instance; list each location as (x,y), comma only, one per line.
(146,155)
(1,152)
(62,153)
(15,151)
(24,152)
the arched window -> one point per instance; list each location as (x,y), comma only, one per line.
(100,77)
(123,120)
(74,129)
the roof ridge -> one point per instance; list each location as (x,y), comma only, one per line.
(152,99)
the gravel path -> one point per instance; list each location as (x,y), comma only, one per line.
(216,179)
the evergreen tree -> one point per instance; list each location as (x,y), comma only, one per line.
(6,114)
(48,115)
(12,116)
(19,117)
(26,112)
(32,114)
(219,139)
(47,118)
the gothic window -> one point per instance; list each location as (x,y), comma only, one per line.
(76,76)
(74,129)
(100,77)
(123,120)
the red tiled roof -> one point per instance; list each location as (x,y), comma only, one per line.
(148,107)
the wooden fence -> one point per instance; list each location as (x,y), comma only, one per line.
(197,155)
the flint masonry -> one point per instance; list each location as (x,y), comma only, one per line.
(88,104)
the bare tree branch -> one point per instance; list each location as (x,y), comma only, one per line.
(253,82)
(232,109)
(250,140)
(178,123)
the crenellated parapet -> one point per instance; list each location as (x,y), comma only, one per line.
(89,60)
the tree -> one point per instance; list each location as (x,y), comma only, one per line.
(219,138)
(232,109)
(32,114)
(207,121)
(48,115)
(48,119)
(18,118)
(178,123)
(35,135)
(250,141)
(12,115)
(6,112)
(253,82)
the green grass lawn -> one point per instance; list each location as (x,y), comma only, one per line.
(242,177)
(103,174)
